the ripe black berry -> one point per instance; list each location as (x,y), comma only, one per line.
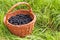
(20,19)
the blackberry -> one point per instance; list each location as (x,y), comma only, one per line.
(20,19)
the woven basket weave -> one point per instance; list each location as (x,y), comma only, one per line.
(20,30)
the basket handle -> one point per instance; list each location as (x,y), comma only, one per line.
(30,9)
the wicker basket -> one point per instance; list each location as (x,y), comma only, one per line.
(20,30)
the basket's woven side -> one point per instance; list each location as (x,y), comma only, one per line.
(21,31)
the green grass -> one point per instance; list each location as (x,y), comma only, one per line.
(47,25)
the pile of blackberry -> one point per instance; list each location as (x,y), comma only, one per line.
(20,19)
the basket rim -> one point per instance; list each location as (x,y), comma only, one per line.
(34,19)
